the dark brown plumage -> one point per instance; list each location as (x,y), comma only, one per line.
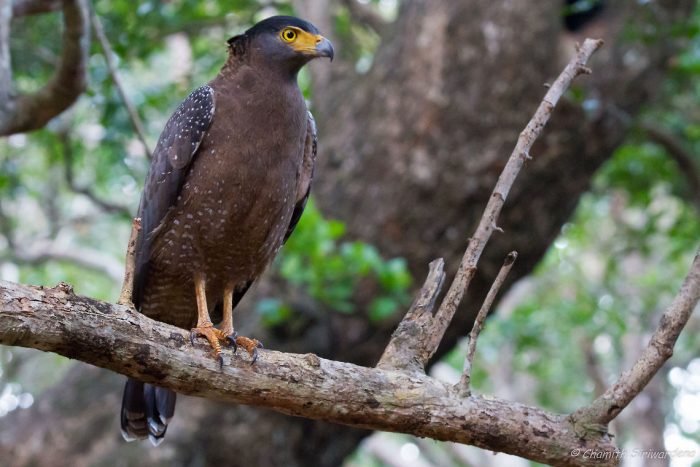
(229,180)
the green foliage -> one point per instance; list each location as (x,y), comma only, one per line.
(331,270)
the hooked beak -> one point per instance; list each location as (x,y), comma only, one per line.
(324,48)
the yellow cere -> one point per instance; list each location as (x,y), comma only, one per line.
(299,39)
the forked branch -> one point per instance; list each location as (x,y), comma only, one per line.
(432,332)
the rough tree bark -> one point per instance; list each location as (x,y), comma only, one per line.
(417,141)
(391,397)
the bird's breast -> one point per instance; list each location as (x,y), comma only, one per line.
(237,201)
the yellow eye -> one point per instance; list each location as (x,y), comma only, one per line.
(289,35)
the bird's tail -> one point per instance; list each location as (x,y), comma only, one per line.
(146,411)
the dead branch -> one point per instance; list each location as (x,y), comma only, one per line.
(27,112)
(108,54)
(465,381)
(126,295)
(427,340)
(402,349)
(660,348)
(120,339)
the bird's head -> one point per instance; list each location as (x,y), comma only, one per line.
(282,41)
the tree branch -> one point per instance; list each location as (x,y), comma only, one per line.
(431,331)
(27,112)
(108,54)
(404,344)
(126,296)
(395,396)
(660,348)
(119,339)
(465,381)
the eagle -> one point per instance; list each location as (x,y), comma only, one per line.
(228,182)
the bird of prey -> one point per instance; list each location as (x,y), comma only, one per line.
(228,182)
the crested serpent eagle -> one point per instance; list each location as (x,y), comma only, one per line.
(228,182)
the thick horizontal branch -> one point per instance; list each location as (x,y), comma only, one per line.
(120,339)
(27,112)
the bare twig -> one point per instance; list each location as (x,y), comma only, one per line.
(465,381)
(487,225)
(117,338)
(660,348)
(27,112)
(683,158)
(103,204)
(108,53)
(401,351)
(427,334)
(126,295)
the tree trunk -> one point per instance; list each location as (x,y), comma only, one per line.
(408,155)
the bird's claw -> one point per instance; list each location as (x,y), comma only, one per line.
(231,341)
(213,336)
(251,346)
(259,345)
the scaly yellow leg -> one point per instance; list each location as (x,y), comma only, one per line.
(227,323)
(250,345)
